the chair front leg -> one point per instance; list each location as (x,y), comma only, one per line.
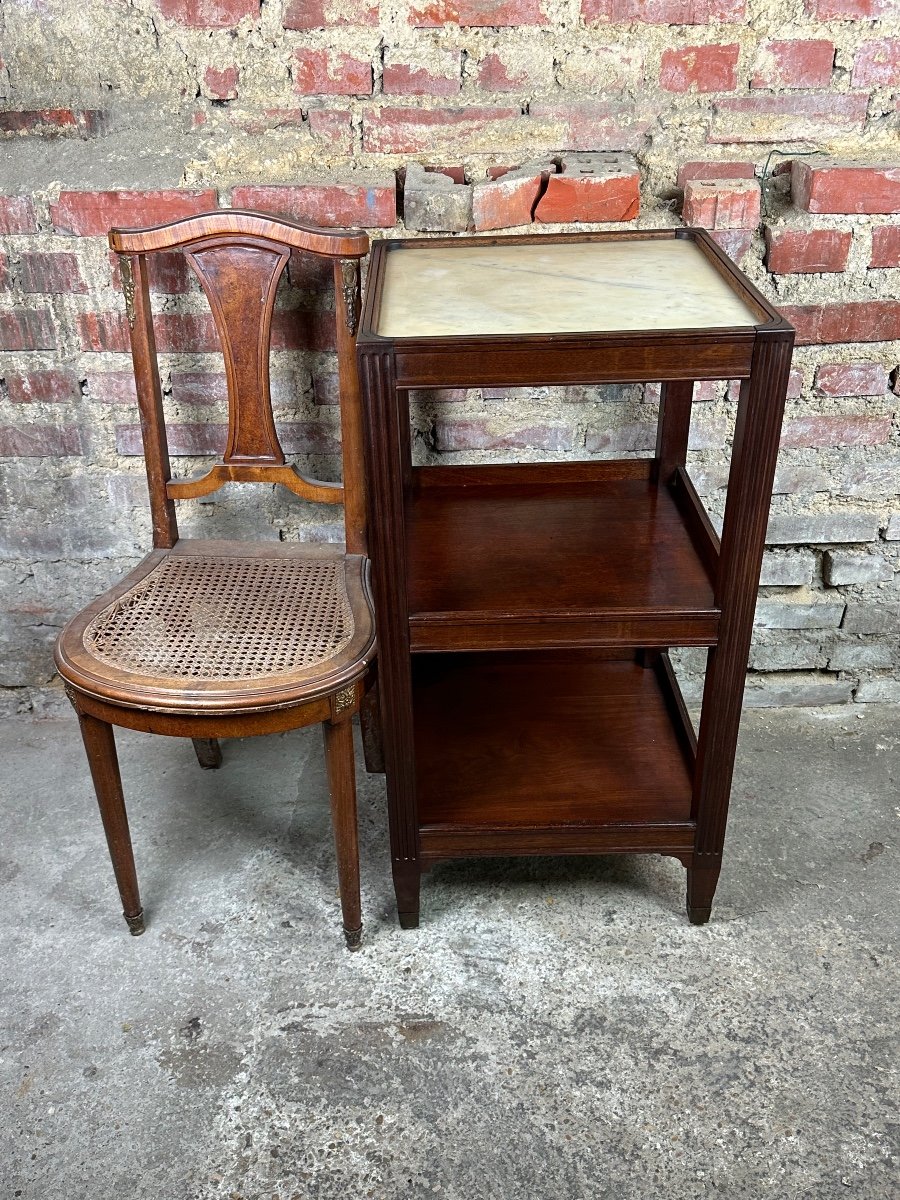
(100,746)
(342,788)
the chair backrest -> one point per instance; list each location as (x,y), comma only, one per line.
(239,258)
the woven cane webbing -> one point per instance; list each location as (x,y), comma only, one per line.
(195,618)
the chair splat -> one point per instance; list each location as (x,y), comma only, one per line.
(240,280)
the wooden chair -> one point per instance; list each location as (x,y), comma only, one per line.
(210,639)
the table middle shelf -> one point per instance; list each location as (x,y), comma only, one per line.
(561,554)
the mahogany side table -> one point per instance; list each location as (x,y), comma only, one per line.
(524,611)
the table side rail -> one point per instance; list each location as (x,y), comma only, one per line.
(696,519)
(444,632)
(450,841)
(678,710)
(513,474)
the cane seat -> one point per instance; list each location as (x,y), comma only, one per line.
(225,622)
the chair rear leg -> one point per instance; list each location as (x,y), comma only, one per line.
(100,745)
(370,725)
(342,787)
(209,753)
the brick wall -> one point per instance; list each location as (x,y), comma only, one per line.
(603,114)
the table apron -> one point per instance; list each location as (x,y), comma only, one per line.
(544,365)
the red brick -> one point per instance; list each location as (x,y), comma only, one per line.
(820,432)
(440,75)
(419,396)
(806,63)
(27,329)
(494,75)
(17,215)
(885,246)
(501,393)
(508,201)
(851,379)
(708,432)
(795,384)
(307,437)
(103,332)
(199,387)
(777,119)
(209,14)
(800,251)
(722,203)
(191,438)
(93,213)
(710,390)
(221,84)
(41,441)
(331,73)
(591,187)
(371,204)
(626,438)
(877,63)
(735,242)
(112,387)
(662,12)
(50,273)
(454,435)
(326,388)
(704,68)
(794,479)
(430,14)
(714,170)
(50,386)
(323,14)
(826,10)
(310,272)
(585,125)
(185,333)
(169,274)
(332,127)
(4,273)
(416,130)
(325,124)
(859,321)
(84,121)
(828,186)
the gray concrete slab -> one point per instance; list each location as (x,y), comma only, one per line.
(554,1029)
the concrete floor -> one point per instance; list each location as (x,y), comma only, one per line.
(555,1029)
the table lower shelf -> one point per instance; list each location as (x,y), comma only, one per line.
(550,753)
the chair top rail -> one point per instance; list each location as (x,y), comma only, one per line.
(352,243)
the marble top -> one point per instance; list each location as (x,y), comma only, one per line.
(555,287)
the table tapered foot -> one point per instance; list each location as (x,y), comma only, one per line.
(701,887)
(407,886)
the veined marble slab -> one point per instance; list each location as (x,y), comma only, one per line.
(561,287)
